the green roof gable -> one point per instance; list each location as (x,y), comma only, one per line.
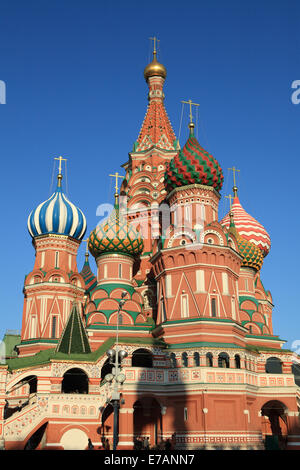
(74,339)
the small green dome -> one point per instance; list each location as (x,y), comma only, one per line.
(115,235)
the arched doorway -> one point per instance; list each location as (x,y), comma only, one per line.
(74,439)
(274,425)
(142,358)
(147,420)
(37,438)
(273,365)
(75,381)
(107,423)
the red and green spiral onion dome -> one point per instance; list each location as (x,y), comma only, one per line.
(248,227)
(252,255)
(115,235)
(193,165)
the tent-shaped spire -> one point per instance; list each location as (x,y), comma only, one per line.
(74,339)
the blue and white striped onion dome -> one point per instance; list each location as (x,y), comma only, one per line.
(57,215)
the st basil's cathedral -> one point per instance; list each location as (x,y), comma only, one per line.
(171,339)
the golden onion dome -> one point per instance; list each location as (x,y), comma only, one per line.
(155,69)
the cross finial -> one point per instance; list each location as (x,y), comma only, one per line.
(234,170)
(59,176)
(154,39)
(117,176)
(230,200)
(190,103)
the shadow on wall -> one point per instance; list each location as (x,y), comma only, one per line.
(159,419)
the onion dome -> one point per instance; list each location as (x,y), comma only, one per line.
(155,69)
(249,228)
(252,255)
(58,216)
(115,235)
(193,165)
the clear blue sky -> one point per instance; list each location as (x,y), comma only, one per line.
(75,87)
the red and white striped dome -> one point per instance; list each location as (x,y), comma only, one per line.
(248,227)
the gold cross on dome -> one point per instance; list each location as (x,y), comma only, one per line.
(116,175)
(230,200)
(191,104)
(154,39)
(60,160)
(234,170)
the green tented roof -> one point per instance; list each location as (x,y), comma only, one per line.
(74,338)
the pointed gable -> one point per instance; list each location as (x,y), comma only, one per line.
(74,339)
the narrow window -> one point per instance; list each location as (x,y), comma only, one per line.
(105,271)
(187,213)
(33,327)
(246,285)
(203,211)
(184,359)
(163,310)
(196,359)
(175,218)
(53,329)
(225,283)
(184,306)
(120,271)
(168,285)
(233,308)
(213,307)
(209,360)
(200,280)
(43,259)
(237,361)
(56,259)
(185,414)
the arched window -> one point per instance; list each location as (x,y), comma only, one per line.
(142,358)
(75,381)
(296,372)
(184,359)
(273,365)
(173,360)
(223,360)
(237,361)
(209,359)
(106,369)
(196,359)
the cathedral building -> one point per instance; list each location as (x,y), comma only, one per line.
(176,297)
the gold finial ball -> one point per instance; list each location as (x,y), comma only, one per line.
(155,69)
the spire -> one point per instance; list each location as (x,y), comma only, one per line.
(156,129)
(74,339)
